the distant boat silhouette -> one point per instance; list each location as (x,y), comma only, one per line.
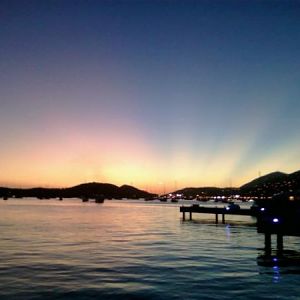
(163,199)
(99,199)
(150,198)
(85,199)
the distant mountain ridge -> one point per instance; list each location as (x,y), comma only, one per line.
(271,177)
(87,190)
(192,192)
(272,183)
(267,185)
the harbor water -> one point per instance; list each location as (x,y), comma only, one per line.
(132,249)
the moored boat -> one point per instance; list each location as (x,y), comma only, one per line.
(99,199)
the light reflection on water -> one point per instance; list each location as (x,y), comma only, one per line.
(132,250)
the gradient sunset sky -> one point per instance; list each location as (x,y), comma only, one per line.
(157,94)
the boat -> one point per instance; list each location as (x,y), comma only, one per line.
(85,199)
(232,207)
(99,199)
(149,199)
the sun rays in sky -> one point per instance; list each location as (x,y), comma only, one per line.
(160,95)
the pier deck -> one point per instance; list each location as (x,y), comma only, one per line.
(216,211)
(279,222)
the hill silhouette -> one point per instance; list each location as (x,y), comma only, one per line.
(86,190)
(273,183)
(192,192)
(267,185)
(266,179)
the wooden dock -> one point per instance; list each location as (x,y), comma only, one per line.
(281,222)
(222,211)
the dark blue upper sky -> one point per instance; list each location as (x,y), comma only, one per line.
(145,92)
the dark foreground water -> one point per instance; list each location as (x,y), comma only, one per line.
(133,250)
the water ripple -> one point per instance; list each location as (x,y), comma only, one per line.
(133,250)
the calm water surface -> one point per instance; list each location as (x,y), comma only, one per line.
(133,250)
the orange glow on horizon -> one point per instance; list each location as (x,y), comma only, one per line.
(126,157)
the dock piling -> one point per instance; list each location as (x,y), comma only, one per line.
(268,243)
(279,243)
(217,218)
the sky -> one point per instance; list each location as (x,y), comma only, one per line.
(157,94)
